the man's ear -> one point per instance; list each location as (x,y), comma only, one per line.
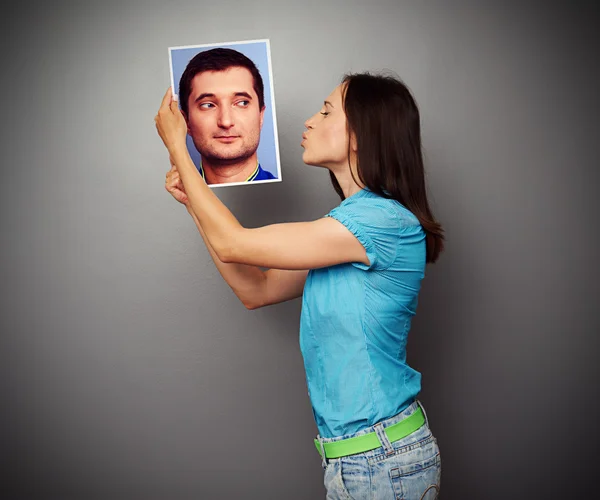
(262,116)
(187,122)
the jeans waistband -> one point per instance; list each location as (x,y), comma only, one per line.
(409,410)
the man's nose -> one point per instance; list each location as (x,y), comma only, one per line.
(225,117)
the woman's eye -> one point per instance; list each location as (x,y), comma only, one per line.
(324,113)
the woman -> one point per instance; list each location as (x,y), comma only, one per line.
(358,270)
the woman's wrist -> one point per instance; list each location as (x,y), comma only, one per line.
(178,151)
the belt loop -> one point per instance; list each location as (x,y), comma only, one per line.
(383,439)
(424,414)
(323,458)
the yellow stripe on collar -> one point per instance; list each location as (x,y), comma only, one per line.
(253,174)
(250,177)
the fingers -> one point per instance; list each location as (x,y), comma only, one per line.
(173,179)
(174,105)
(174,186)
(173,172)
(177,192)
(171,186)
(167,98)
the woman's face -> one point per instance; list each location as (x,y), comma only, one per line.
(325,141)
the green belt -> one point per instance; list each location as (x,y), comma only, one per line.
(370,441)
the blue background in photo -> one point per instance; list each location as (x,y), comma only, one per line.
(257,52)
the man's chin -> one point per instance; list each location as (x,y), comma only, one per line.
(227,158)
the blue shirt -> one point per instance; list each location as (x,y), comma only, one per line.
(262,175)
(355,319)
(259,174)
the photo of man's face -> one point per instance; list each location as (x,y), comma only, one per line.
(225,92)
(224,116)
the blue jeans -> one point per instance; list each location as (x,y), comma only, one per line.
(407,469)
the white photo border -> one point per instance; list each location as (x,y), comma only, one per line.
(267,42)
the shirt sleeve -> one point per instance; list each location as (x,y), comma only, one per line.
(375,223)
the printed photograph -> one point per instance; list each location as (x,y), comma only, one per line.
(225,91)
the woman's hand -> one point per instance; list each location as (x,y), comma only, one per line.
(174,186)
(171,124)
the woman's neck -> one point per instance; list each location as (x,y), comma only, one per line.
(346,180)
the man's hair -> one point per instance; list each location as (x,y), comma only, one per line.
(383,116)
(219,59)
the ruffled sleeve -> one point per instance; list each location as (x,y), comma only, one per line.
(374,221)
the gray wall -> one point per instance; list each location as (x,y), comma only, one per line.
(129,370)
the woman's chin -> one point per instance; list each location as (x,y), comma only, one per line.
(306,158)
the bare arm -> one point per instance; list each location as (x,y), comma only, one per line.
(254,287)
(299,246)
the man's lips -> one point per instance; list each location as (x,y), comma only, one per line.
(226,138)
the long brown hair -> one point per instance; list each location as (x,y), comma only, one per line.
(383,116)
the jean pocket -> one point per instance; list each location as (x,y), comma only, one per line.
(334,482)
(417,480)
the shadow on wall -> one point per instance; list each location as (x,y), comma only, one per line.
(440,340)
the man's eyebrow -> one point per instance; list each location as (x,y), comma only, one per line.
(327,102)
(207,94)
(202,96)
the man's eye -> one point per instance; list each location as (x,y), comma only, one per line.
(206,105)
(244,103)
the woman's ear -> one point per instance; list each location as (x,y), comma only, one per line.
(353,143)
